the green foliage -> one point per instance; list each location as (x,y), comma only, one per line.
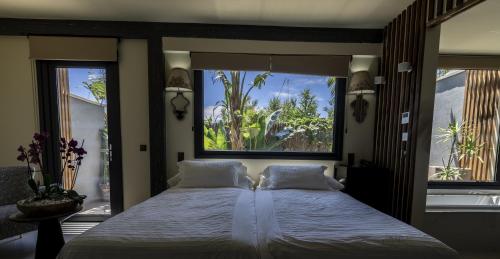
(330,82)
(464,144)
(448,174)
(274,104)
(308,105)
(214,140)
(293,124)
(97,86)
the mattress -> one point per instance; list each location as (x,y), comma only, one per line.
(178,223)
(330,224)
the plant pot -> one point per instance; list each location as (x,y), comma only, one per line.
(46,207)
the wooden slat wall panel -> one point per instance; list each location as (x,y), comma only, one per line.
(403,41)
(442,10)
(481,112)
(64,113)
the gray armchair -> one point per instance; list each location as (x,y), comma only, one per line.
(13,187)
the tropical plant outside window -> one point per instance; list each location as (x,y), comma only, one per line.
(465,126)
(268,112)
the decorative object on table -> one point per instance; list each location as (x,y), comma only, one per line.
(179,82)
(464,145)
(360,83)
(51,198)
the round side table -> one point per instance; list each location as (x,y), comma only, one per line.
(50,238)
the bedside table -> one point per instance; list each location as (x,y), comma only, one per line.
(371,186)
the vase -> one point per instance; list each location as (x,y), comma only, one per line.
(46,207)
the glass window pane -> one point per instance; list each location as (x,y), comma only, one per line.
(465,126)
(82,116)
(272,112)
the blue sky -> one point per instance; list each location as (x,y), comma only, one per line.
(76,77)
(274,87)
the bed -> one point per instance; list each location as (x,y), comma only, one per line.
(295,223)
(297,212)
(178,223)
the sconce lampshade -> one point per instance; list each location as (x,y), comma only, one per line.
(178,81)
(361,83)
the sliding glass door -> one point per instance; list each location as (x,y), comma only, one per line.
(80,100)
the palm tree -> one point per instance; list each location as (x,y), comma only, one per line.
(330,82)
(236,99)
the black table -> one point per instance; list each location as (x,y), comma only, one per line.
(50,238)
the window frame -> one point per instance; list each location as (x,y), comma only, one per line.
(200,152)
(470,185)
(48,114)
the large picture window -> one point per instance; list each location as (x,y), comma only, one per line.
(464,148)
(259,114)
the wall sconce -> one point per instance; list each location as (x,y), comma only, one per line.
(361,83)
(179,82)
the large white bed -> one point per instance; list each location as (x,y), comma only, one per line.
(297,213)
(294,223)
(178,223)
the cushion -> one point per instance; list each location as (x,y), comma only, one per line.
(14,184)
(244,181)
(295,177)
(207,174)
(334,184)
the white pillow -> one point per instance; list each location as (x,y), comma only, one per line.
(245,181)
(334,184)
(296,177)
(174,180)
(264,182)
(206,174)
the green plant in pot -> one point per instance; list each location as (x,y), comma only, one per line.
(52,198)
(464,144)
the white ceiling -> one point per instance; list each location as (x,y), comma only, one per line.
(476,31)
(307,13)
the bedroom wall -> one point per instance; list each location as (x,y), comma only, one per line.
(180,135)
(133,65)
(19,109)
(18,114)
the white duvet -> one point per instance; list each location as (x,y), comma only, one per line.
(178,223)
(236,223)
(330,224)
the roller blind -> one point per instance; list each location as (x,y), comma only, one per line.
(469,62)
(73,48)
(299,64)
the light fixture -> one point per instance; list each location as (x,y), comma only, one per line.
(360,83)
(179,82)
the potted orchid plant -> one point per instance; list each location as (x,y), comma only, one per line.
(52,197)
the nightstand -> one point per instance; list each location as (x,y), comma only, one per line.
(371,186)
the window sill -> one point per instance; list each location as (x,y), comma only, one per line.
(460,200)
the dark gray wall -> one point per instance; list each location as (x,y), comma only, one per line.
(87,119)
(465,231)
(449,98)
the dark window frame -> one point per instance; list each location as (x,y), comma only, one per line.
(470,185)
(200,152)
(49,122)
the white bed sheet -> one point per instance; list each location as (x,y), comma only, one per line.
(178,223)
(330,224)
